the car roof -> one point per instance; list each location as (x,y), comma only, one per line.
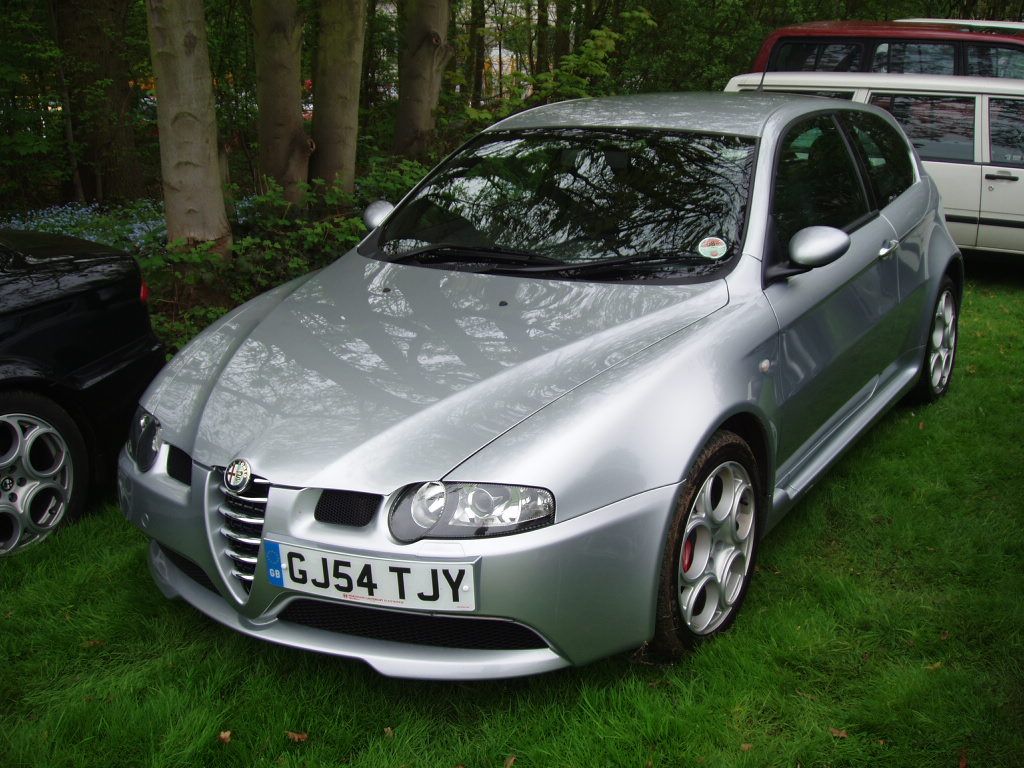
(740,114)
(883,81)
(938,30)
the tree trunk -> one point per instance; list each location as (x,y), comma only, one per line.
(563,20)
(425,52)
(369,73)
(477,49)
(542,37)
(94,38)
(193,198)
(339,58)
(284,146)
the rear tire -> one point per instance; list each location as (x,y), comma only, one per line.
(940,349)
(44,469)
(711,548)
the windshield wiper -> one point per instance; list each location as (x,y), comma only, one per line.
(452,252)
(641,260)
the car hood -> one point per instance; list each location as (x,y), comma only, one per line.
(369,375)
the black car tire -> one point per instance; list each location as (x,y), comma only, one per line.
(711,547)
(44,469)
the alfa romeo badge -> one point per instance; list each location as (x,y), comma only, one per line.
(237,475)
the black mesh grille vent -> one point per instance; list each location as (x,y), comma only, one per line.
(179,465)
(190,569)
(413,628)
(347,508)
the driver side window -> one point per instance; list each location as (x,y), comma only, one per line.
(816,182)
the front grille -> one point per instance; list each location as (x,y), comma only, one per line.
(243,515)
(413,628)
(347,508)
(190,569)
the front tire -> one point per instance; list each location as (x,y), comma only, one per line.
(44,469)
(711,547)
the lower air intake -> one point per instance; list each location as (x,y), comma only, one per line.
(413,628)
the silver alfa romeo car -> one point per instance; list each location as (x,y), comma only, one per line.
(548,409)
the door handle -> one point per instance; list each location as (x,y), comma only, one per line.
(887,248)
(1000,177)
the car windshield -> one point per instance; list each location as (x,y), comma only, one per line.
(580,204)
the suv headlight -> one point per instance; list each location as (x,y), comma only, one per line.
(144,439)
(469,510)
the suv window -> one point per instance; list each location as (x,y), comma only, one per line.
(817,57)
(1006,130)
(941,127)
(816,182)
(885,154)
(914,57)
(995,61)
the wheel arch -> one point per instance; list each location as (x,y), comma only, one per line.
(34,380)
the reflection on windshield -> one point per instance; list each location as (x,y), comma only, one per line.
(577,197)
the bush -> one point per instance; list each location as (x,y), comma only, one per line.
(274,241)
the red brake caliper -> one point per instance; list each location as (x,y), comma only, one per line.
(687,554)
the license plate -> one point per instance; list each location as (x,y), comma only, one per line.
(415,584)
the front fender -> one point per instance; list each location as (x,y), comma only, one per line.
(179,393)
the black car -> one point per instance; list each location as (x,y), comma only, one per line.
(76,351)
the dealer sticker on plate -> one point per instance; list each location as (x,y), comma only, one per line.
(414,584)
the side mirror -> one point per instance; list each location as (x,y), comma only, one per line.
(376,212)
(817,246)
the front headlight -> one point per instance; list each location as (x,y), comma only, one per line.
(144,439)
(469,510)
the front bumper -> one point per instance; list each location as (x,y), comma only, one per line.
(586,586)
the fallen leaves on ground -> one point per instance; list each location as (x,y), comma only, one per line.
(935,666)
(93,643)
(297,736)
(510,761)
(839,733)
(389,732)
(746,746)
(224,737)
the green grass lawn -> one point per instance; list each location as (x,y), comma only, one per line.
(885,627)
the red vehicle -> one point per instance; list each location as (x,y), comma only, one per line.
(946,48)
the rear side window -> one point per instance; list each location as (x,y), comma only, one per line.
(790,56)
(816,182)
(940,127)
(995,61)
(1006,130)
(915,58)
(885,154)
(846,95)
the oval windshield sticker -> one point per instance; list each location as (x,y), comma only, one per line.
(712,248)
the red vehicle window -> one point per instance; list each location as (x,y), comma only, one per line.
(915,58)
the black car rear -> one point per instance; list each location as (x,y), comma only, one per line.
(76,351)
